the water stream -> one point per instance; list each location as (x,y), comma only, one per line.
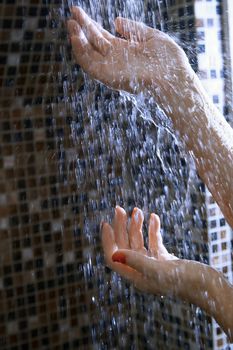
(125,152)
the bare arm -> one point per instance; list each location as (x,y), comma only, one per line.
(189,281)
(145,59)
(148,60)
(209,138)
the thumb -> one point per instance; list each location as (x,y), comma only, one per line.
(146,265)
(158,277)
(132,30)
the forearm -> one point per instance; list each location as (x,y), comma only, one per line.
(208,137)
(205,287)
(186,280)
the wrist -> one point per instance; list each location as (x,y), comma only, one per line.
(182,100)
(200,285)
(181,279)
(192,280)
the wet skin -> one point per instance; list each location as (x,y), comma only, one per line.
(158,272)
(146,60)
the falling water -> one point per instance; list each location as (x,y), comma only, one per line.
(123,151)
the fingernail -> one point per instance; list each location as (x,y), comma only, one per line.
(119,210)
(152,216)
(117,207)
(119,257)
(138,214)
(134,210)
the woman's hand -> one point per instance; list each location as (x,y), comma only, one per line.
(141,59)
(145,59)
(151,270)
(158,272)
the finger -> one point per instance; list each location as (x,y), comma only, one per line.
(91,31)
(147,266)
(116,42)
(156,277)
(155,238)
(104,32)
(136,240)
(73,27)
(108,242)
(109,247)
(81,48)
(133,30)
(120,228)
(136,278)
(156,246)
(133,276)
(86,56)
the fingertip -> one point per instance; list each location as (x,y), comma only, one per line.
(155,237)
(73,27)
(118,24)
(154,217)
(120,19)
(80,44)
(119,210)
(157,220)
(77,12)
(137,214)
(120,214)
(75,8)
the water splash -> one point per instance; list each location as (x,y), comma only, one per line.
(124,151)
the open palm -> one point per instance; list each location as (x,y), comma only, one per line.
(141,58)
(118,240)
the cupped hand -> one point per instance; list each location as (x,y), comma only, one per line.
(150,270)
(141,59)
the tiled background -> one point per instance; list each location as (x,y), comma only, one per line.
(69,152)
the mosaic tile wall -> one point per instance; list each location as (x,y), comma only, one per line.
(67,156)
